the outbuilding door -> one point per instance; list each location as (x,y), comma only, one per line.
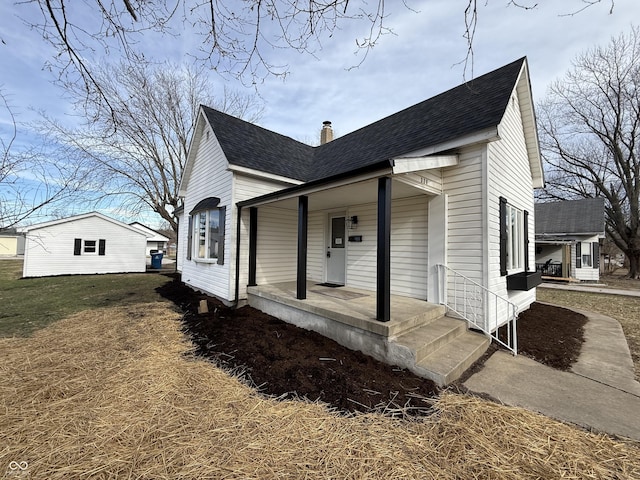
(336,250)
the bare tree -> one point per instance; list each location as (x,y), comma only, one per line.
(472,16)
(237,38)
(41,177)
(138,152)
(590,125)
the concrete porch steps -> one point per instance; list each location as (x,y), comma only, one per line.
(441,350)
(418,337)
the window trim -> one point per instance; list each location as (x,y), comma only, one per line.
(80,247)
(519,278)
(515,239)
(513,248)
(590,258)
(195,234)
(89,249)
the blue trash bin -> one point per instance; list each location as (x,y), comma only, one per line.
(156,260)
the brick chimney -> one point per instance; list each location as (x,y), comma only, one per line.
(326,134)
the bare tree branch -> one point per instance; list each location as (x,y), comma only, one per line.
(36,178)
(138,152)
(590,125)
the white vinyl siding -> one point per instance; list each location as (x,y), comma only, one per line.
(463,185)
(408,247)
(316,246)
(586,272)
(181,247)
(361,256)
(244,188)
(277,245)
(49,250)
(409,221)
(209,178)
(509,176)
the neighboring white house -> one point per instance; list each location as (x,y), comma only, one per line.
(156,242)
(83,244)
(568,235)
(400,207)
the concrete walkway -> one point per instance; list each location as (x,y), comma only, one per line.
(593,288)
(599,393)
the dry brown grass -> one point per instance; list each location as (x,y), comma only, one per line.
(625,309)
(115,393)
(618,279)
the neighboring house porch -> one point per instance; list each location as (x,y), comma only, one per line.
(568,238)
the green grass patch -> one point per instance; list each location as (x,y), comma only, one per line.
(29,304)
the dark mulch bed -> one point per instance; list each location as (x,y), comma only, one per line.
(551,335)
(289,362)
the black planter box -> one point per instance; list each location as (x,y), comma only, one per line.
(524,280)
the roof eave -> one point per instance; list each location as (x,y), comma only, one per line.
(191,152)
(370,171)
(528,114)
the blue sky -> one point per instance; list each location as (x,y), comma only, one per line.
(419,60)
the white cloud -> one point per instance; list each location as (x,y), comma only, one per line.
(419,61)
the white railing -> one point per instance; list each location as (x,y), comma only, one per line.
(482,308)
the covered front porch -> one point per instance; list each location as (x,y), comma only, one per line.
(419,335)
(360,233)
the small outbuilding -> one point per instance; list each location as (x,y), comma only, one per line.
(90,243)
(156,242)
(11,243)
(568,235)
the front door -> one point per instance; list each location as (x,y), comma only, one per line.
(336,250)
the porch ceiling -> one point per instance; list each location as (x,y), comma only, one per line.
(352,194)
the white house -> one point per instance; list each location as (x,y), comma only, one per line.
(433,204)
(568,235)
(156,242)
(83,244)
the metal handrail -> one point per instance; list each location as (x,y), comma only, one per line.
(478,305)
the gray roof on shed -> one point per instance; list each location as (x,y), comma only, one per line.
(570,217)
(464,110)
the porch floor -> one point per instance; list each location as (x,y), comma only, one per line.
(352,306)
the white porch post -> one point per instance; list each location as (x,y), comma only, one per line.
(436,245)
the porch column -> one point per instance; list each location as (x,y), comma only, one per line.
(303,216)
(383,290)
(253,244)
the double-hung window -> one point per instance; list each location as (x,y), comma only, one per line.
(587,255)
(206,231)
(514,248)
(208,228)
(513,238)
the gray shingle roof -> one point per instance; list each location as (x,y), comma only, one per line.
(466,109)
(570,217)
